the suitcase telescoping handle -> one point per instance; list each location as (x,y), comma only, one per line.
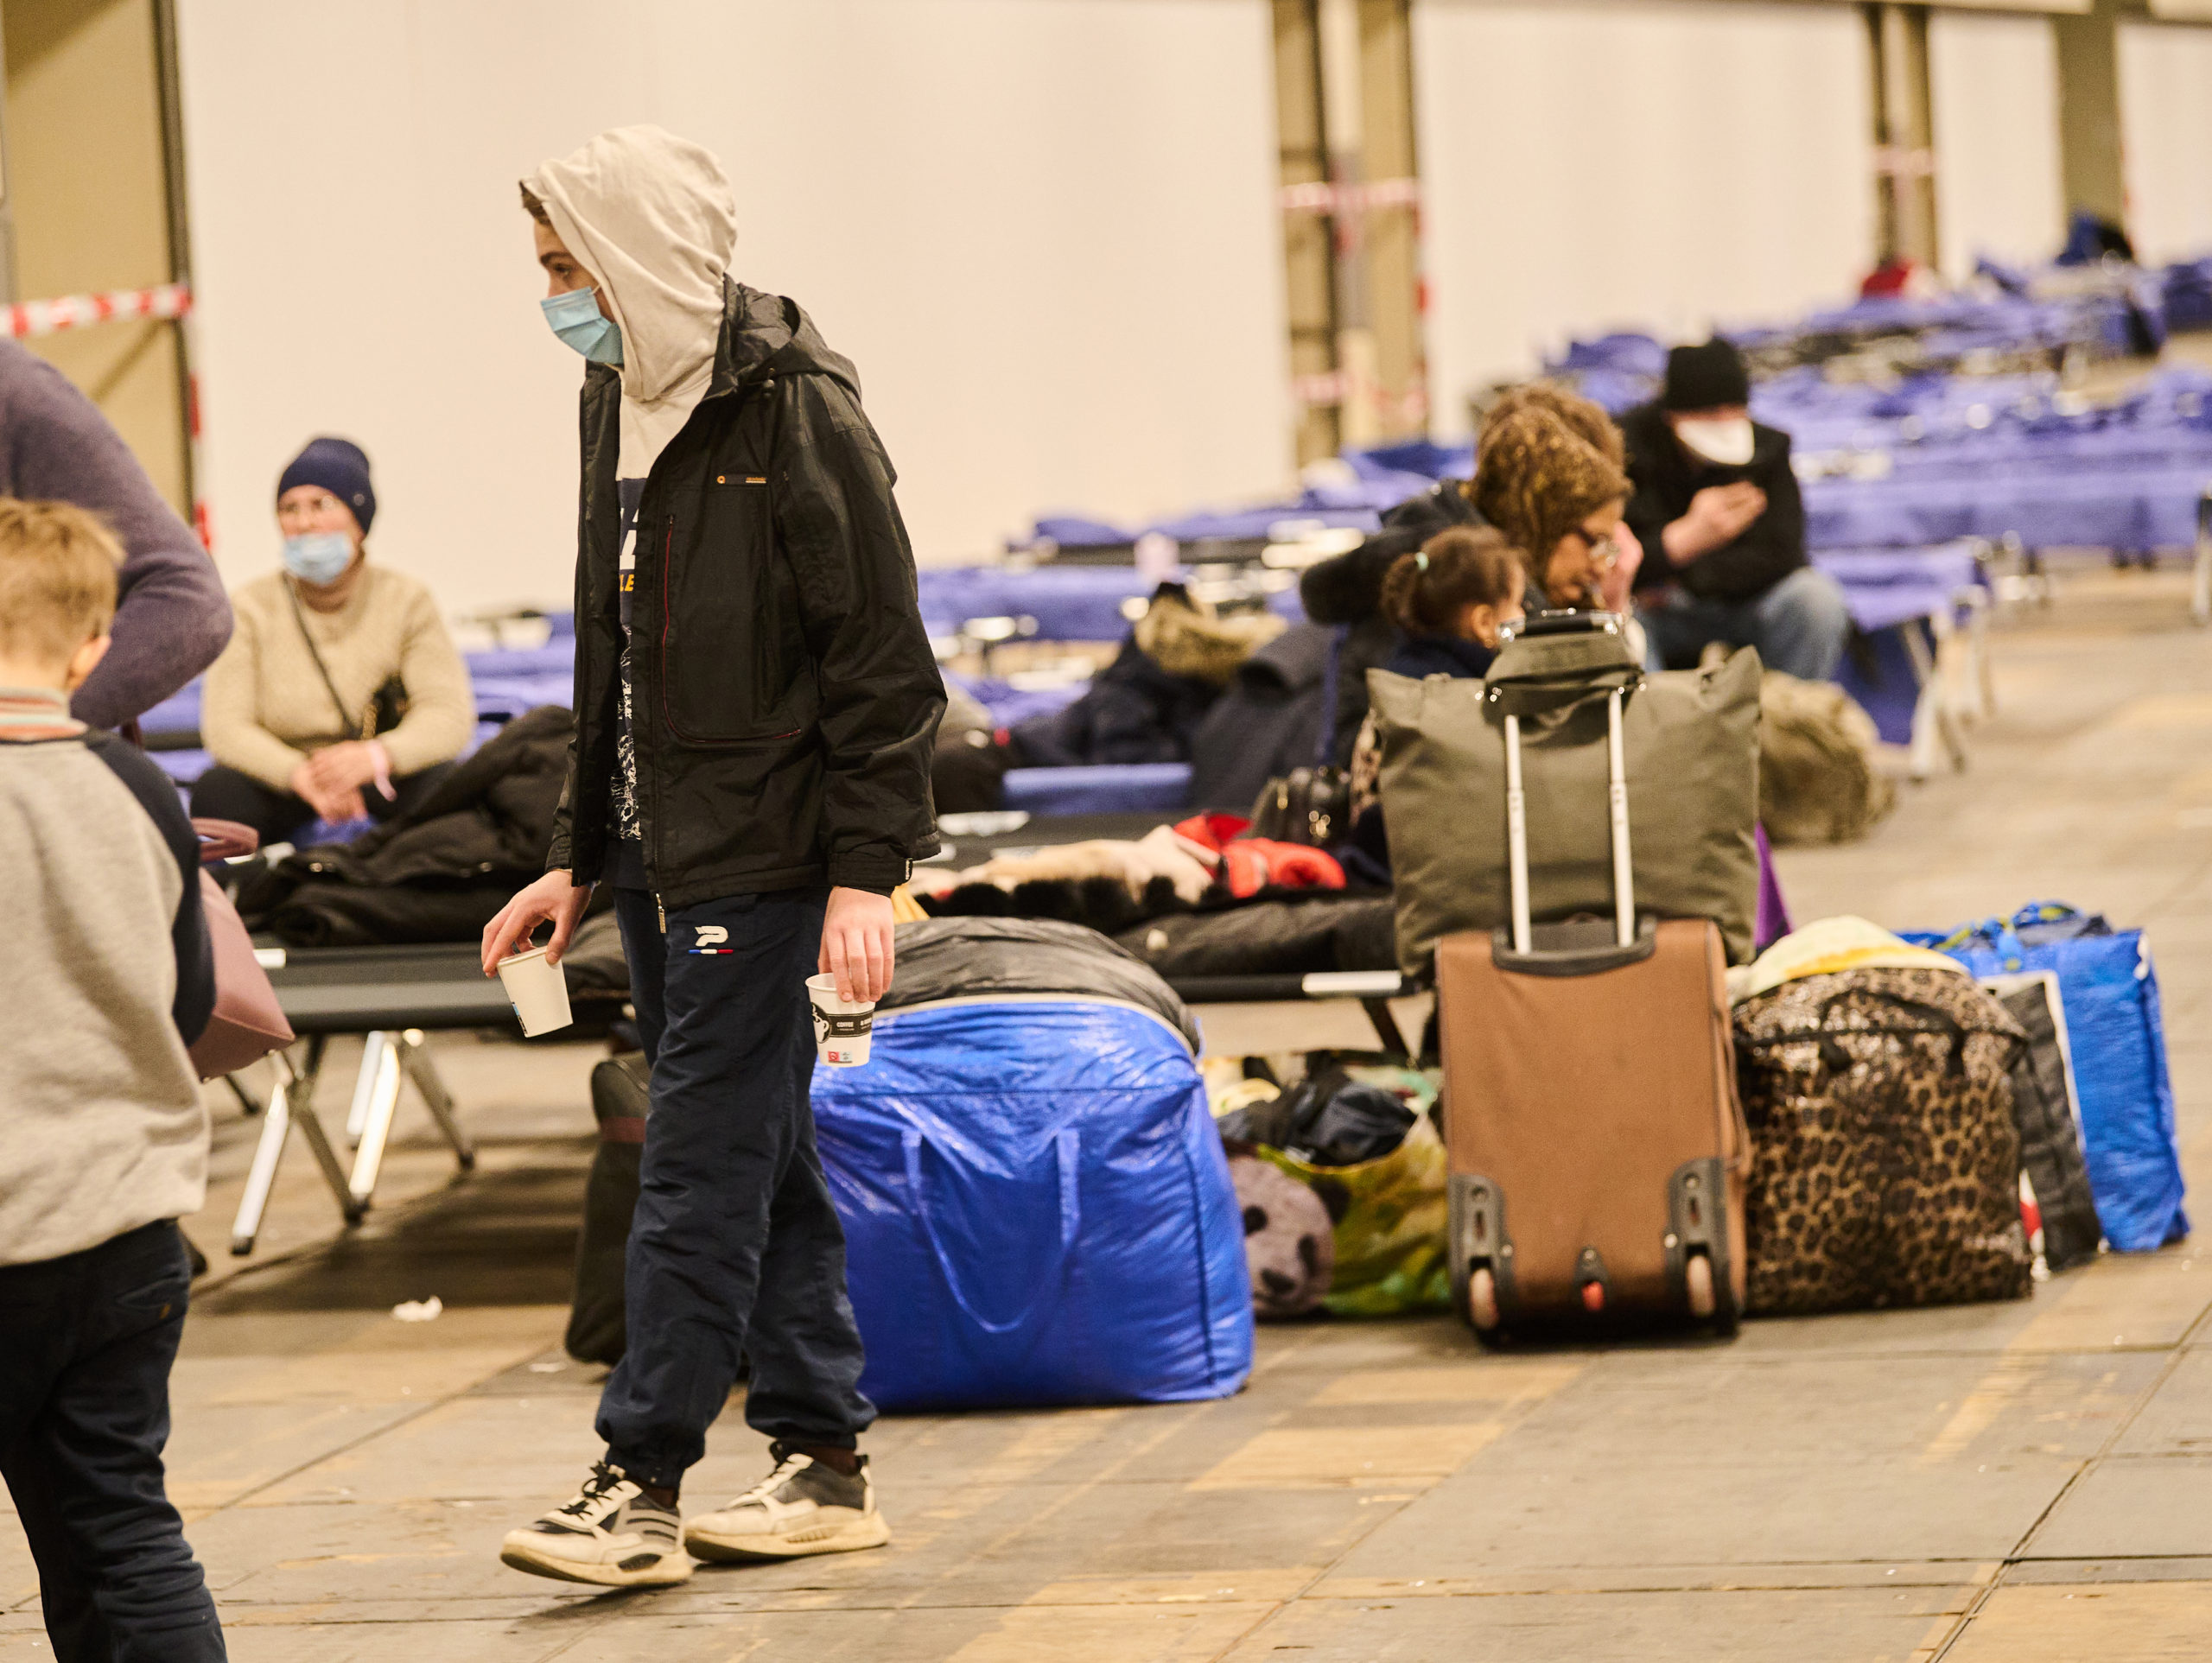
(1517,828)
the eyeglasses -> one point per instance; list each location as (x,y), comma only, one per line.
(1604,550)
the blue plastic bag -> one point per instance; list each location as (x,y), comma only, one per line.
(2117,1039)
(1037,1210)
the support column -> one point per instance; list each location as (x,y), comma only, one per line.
(1351,210)
(1309,226)
(2090,159)
(9,292)
(1905,134)
(1390,229)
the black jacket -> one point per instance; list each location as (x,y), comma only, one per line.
(1269,722)
(1132,711)
(1348,590)
(440,871)
(785,695)
(1420,656)
(1666,478)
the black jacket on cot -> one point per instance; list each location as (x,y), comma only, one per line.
(1267,722)
(1132,711)
(1348,590)
(439,872)
(784,697)
(1666,477)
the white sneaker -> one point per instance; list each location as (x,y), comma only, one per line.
(612,1534)
(800,1509)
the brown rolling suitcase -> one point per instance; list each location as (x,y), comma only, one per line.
(1597,1143)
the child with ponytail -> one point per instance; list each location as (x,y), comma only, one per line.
(1452,602)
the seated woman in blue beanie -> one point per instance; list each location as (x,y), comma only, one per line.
(341,694)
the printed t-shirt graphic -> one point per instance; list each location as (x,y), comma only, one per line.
(625,856)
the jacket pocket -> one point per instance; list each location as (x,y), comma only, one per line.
(732,663)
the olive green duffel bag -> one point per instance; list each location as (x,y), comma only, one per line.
(1692,743)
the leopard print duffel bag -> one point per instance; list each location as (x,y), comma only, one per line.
(1885,1166)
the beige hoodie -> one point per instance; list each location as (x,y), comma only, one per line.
(650,216)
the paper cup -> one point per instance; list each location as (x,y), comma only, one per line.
(841,1026)
(538,990)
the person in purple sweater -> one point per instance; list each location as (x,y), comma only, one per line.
(172,618)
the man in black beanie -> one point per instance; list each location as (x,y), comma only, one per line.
(1718,511)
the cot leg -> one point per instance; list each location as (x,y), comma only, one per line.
(249,1105)
(376,1100)
(364,1088)
(1982,683)
(1387,1029)
(276,1123)
(294,1089)
(2200,602)
(1933,726)
(423,1072)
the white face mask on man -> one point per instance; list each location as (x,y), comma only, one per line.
(1727,442)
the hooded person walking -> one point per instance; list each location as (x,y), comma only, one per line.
(750,777)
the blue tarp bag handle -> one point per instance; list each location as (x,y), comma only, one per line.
(1065,1147)
(2058,921)
(1993,934)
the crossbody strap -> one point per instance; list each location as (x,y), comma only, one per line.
(367,727)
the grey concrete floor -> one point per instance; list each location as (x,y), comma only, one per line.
(1983,1484)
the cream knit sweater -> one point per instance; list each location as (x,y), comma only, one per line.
(265,707)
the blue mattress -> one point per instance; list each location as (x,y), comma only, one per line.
(1125,788)
(1070,603)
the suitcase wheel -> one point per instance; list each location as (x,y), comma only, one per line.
(1698,1272)
(1482,1299)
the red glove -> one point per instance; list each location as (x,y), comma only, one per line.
(1293,865)
(1212,831)
(1252,864)
(1244,868)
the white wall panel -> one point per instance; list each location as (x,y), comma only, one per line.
(2166,121)
(1646,165)
(1046,230)
(1998,181)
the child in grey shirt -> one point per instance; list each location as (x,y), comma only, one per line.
(108,977)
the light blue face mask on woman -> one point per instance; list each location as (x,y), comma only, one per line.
(318,557)
(576,318)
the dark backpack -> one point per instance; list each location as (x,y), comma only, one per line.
(618,1103)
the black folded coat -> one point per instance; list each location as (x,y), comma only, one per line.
(439,872)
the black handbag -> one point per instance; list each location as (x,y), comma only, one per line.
(1308,805)
(1311,806)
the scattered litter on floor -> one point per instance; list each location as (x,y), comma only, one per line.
(419,1310)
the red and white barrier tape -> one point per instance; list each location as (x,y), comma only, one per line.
(1899,161)
(1338,387)
(1322,197)
(28,317)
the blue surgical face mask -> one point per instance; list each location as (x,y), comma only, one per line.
(576,318)
(318,557)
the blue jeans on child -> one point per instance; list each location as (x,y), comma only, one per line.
(85,1345)
(735,1251)
(1800,626)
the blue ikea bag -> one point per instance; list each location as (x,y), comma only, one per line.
(2117,1039)
(1037,1208)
